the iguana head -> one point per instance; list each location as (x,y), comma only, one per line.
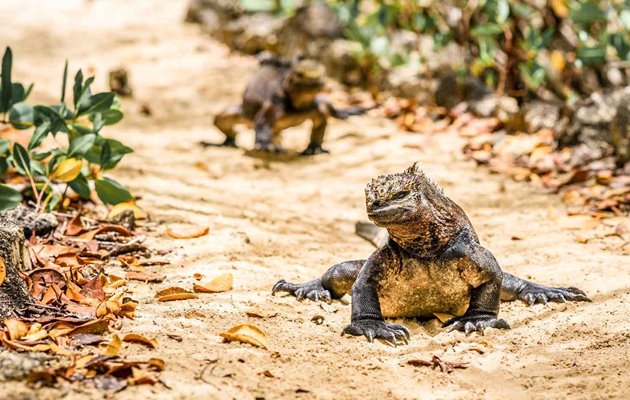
(414,210)
(304,82)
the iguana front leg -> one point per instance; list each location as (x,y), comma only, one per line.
(319,119)
(264,122)
(367,319)
(533,293)
(336,282)
(484,274)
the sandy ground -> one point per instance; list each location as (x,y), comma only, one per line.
(294,219)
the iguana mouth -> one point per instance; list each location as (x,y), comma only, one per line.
(387,215)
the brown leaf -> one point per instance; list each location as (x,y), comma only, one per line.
(145,276)
(198,276)
(113,348)
(136,338)
(75,226)
(443,317)
(246,333)
(220,283)
(171,290)
(106,228)
(198,232)
(96,326)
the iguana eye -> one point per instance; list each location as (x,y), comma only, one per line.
(400,195)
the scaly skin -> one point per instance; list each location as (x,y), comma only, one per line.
(282,94)
(430,261)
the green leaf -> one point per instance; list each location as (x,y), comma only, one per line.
(81,144)
(117,149)
(592,55)
(96,103)
(7,87)
(9,198)
(21,115)
(5,144)
(18,93)
(40,134)
(77,88)
(112,116)
(112,192)
(81,187)
(63,82)
(21,158)
(586,13)
(486,30)
(57,123)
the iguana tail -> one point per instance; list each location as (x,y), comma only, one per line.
(343,113)
(372,233)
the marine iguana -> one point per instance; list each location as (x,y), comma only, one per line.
(431,262)
(283,93)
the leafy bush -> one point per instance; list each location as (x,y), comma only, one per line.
(517,47)
(51,171)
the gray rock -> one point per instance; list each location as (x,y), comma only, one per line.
(540,114)
(31,222)
(252,33)
(601,123)
(407,81)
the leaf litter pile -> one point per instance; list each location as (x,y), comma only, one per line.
(587,185)
(77,303)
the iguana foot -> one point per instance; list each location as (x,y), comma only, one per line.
(475,323)
(313,150)
(534,293)
(228,142)
(394,334)
(269,148)
(312,290)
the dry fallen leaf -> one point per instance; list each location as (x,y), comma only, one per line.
(3,271)
(138,213)
(75,226)
(435,361)
(178,296)
(198,276)
(17,329)
(106,228)
(220,283)
(113,347)
(136,338)
(246,333)
(201,231)
(443,317)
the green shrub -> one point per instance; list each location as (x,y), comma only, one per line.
(52,171)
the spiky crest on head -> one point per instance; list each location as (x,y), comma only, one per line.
(412,179)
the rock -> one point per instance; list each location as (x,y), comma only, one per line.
(309,31)
(251,33)
(209,13)
(448,93)
(600,124)
(31,222)
(119,82)
(14,294)
(338,58)
(127,218)
(502,107)
(17,366)
(537,115)
(407,81)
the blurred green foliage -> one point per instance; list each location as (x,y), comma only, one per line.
(50,170)
(516,47)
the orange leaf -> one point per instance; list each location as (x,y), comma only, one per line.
(113,347)
(136,338)
(122,207)
(220,283)
(178,296)
(171,290)
(246,333)
(17,329)
(202,231)
(3,271)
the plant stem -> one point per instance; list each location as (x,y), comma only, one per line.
(41,196)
